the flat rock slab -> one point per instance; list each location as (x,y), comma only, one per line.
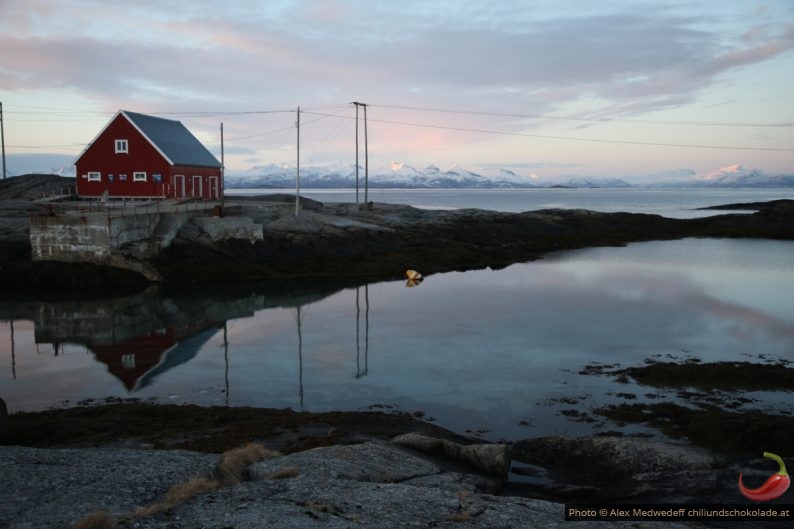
(373,485)
(54,488)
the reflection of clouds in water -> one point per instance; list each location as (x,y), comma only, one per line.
(480,344)
(600,307)
(680,290)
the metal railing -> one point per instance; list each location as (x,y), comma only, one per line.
(127,206)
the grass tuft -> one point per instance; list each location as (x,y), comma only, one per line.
(179,493)
(96,520)
(182,492)
(233,466)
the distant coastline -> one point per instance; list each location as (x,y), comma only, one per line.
(336,240)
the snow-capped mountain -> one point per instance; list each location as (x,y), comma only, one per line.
(66,170)
(395,175)
(729,176)
(739,176)
(401,175)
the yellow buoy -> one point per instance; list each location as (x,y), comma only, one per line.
(413,275)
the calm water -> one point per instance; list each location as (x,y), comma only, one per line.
(676,203)
(486,350)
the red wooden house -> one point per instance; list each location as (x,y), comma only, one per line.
(139,156)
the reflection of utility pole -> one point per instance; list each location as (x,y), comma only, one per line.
(226,360)
(13,357)
(300,358)
(359,372)
(358,341)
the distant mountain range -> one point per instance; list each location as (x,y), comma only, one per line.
(399,175)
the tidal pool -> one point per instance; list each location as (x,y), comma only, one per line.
(497,353)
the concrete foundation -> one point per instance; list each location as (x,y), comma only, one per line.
(125,239)
(91,237)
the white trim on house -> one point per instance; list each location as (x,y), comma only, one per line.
(122,146)
(121,112)
(139,176)
(94,176)
(89,144)
(197,178)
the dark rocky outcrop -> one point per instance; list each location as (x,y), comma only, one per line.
(343,241)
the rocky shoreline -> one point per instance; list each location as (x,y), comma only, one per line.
(332,470)
(343,241)
(338,467)
(348,469)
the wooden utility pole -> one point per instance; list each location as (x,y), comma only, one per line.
(356,104)
(366,161)
(366,154)
(223,176)
(298,165)
(3,139)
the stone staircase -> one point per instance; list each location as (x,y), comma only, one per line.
(168,227)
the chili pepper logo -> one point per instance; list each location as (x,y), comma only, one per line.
(774,487)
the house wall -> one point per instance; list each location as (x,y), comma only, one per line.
(117,169)
(141,156)
(192,186)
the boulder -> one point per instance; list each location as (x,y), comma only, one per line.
(491,459)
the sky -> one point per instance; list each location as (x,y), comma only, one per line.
(564,87)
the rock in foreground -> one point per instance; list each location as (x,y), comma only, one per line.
(374,485)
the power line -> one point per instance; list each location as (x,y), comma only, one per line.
(259,134)
(48,146)
(314,111)
(571,138)
(590,120)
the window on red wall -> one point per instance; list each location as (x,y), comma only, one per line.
(139,177)
(121,146)
(94,176)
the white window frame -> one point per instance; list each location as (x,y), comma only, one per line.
(122,146)
(94,176)
(139,176)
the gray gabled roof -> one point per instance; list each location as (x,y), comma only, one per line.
(173,140)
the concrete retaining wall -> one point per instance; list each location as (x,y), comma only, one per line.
(86,238)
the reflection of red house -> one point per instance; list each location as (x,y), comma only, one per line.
(136,155)
(135,362)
